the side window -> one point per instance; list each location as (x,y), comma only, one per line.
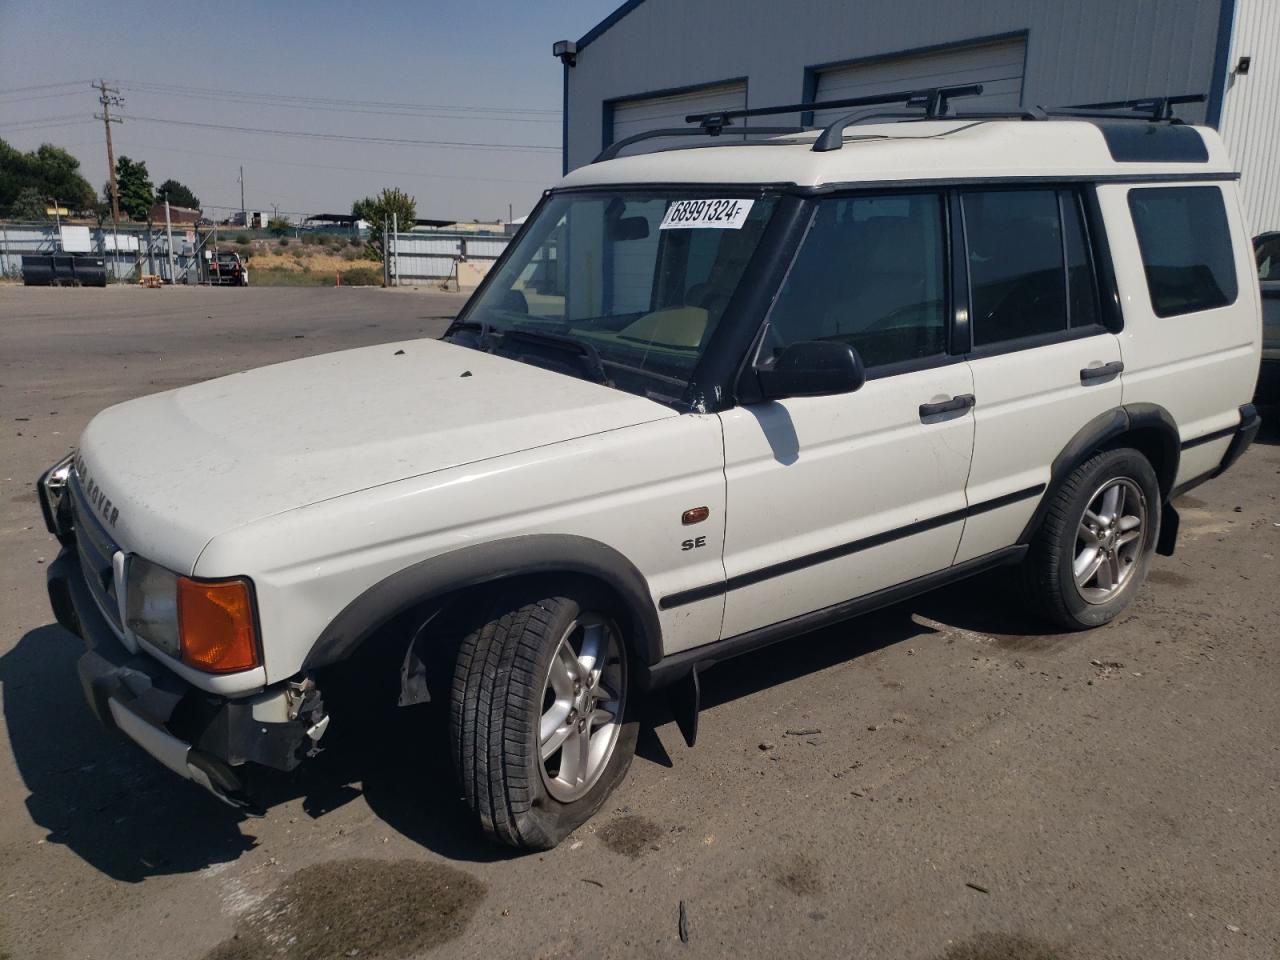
(870,272)
(1082,286)
(1266,251)
(1017,284)
(1186,248)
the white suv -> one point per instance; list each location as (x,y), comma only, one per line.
(710,398)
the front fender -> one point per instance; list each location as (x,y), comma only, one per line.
(487,563)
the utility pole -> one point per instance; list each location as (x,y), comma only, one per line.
(244,220)
(109,97)
(168,233)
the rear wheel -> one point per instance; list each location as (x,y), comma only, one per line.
(1091,553)
(541,722)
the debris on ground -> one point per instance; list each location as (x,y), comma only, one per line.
(682,925)
(976,886)
(803,732)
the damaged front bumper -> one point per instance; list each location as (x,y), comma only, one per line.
(199,736)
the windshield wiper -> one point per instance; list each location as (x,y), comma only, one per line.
(484,341)
(586,351)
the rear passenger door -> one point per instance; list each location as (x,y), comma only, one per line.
(1043,363)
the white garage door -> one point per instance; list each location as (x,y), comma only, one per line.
(652,113)
(997,66)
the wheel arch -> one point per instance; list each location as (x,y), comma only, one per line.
(497,560)
(1147,427)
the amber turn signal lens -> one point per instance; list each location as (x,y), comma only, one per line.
(215,622)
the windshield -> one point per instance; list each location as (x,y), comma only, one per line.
(623,287)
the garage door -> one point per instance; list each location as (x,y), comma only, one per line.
(652,113)
(997,66)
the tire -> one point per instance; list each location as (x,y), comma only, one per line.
(1121,551)
(512,674)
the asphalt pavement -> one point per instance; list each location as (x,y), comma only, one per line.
(943,780)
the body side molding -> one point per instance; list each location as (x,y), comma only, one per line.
(485,563)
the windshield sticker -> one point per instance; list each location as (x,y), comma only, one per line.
(716,214)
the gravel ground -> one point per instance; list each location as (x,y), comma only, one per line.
(940,780)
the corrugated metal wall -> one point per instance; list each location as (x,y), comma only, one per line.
(1077,52)
(1251,110)
(418,256)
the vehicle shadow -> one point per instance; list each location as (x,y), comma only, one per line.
(122,813)
(94,793)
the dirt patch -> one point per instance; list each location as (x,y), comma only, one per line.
(1000,946)
(1169,578)
(629,835)
(800,876)
(373,909)
(1191,503)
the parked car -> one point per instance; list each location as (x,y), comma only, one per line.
(1266,250)
(766,387)
(227,269)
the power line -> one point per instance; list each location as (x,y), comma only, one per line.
(291,98)
(430,113)
(349,138)
(329,166)
(47,86)
(65,116)
(41,96)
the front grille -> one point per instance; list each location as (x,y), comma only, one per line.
(96,550)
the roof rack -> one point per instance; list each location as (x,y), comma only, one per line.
(1157,108)
(933,101)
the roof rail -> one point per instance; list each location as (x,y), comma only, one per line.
(933,101)
(613,149)
(1155,108)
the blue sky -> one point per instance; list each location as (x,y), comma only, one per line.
(476,73)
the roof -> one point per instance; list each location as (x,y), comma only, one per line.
(928,150)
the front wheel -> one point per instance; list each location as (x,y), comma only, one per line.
(541,722)
(1091,553)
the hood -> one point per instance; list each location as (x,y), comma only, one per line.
(170,471)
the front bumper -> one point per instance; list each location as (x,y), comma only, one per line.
(199,736)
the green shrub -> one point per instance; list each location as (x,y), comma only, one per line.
(242,238)
(310,239)
(362,276)
(283,241)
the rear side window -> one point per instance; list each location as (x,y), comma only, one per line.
(1186,248)
(1030,272)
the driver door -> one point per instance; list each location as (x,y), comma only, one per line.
(831,498)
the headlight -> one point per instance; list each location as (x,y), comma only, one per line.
(151,605)
(52,490)
(208,624)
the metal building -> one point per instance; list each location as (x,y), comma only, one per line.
(653,61)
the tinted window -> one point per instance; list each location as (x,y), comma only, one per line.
(1016,278)
(1267,251)
(870,273)
(1081,286)
(1186,248)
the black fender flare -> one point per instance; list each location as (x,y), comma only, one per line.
(1096,433)
(485,563)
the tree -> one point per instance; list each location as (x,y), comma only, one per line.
(278,226)
(391,200)
(30,204)
(179,195)
(134,183)
(50,171)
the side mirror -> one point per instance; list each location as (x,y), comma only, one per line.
(813,368)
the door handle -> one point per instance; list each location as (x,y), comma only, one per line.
(962,402)
(1105,372)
